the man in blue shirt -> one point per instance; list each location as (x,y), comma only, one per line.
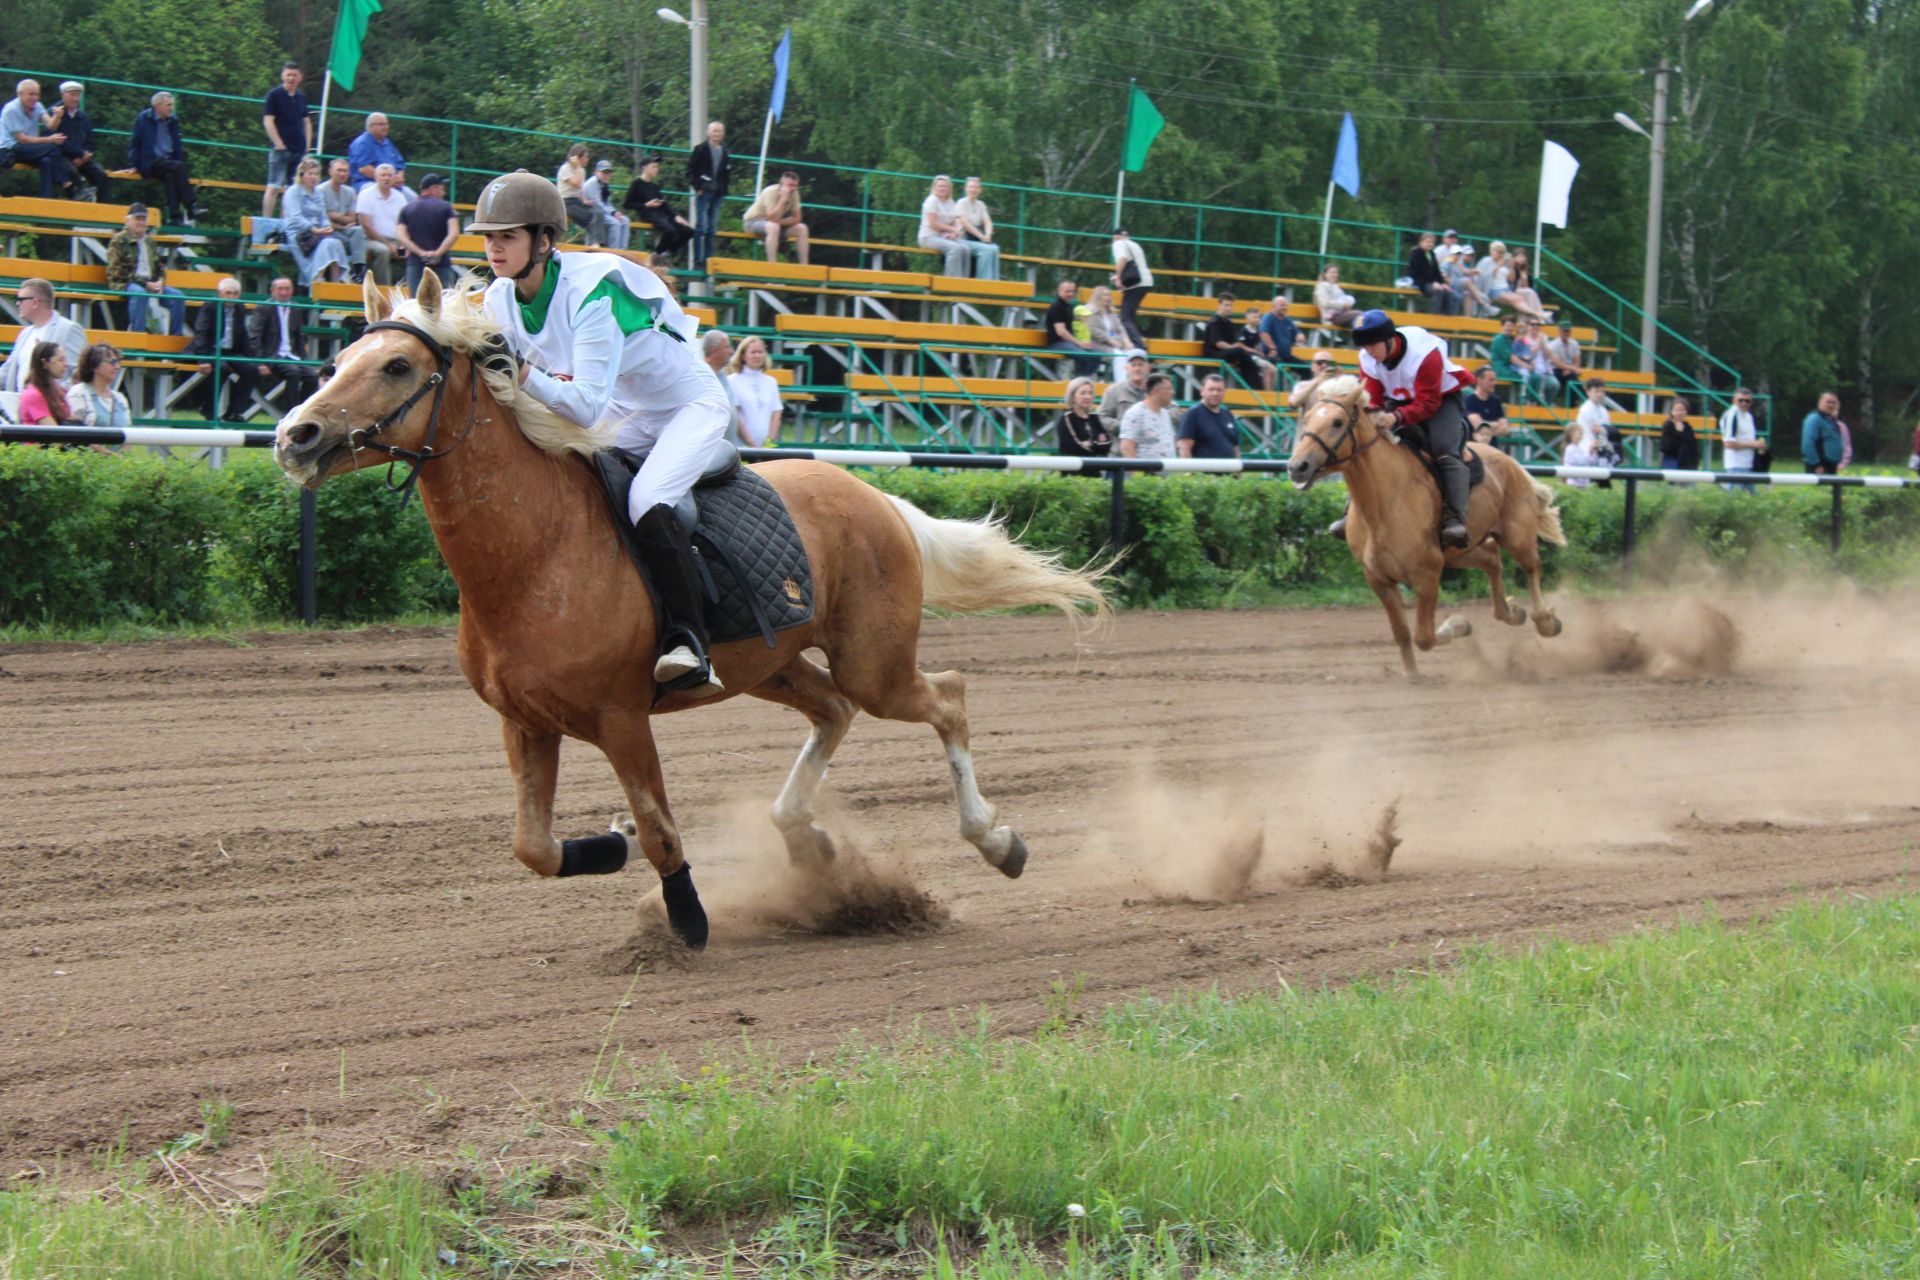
(1822,447)
(21,121)
(371,150)
(1208,430)
(1278,337)
(284,117)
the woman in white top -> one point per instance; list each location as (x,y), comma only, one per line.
(976,228)
(940,226)
(604,344)
(1132,277)
(1336,305)
(1597,421)
(757,394)
(571,178)
(92,397)
(1578,453)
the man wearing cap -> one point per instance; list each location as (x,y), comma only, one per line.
(137,267)
(71,119)
(671,232)
(21,122)
(1406,371)
(1122,396)
(426,229)
(597,191)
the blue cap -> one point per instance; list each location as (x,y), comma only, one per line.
(1374,326)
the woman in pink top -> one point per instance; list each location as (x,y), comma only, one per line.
(42,402)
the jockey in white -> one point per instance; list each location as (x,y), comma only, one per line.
(601,340)
(1406,370)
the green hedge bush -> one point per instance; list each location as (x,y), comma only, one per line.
(89,538)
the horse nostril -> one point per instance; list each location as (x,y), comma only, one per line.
(303,435)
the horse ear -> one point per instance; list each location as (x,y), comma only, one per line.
(429,294)
(374,299)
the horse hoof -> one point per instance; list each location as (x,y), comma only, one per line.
(685,915)
(1547,625)
(1516,615)
(1016,860)
(1455,628)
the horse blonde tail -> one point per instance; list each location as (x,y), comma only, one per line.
(971,565)
(1550,530)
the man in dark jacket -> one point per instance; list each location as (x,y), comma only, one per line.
(71,119)
(157,152)
(276,334)
(221,328)
(650,208)
(1423,265)
(709,169)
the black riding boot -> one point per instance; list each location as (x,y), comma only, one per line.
(682,664)
(1455,482)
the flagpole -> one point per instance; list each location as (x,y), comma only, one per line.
(1325,220)
(326,90)
(1120,195)
(760,180)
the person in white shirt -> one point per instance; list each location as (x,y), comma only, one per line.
(775,214)
(1578,453)
(976,228)
(756,394)
(378,206)
(1133,279)
(1146,430)
(1596,420)
(39,323)
(1738,437)
(940,227)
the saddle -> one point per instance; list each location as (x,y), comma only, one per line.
(754,574)
(1412,439)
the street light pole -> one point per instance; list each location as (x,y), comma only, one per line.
(1656,201)
(697,78)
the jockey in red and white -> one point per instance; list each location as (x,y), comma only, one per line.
(1407,371)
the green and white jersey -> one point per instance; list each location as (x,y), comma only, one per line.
(606,343)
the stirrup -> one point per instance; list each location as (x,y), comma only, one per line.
(1450,539)
(681,661)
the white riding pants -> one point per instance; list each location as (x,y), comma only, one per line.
(678,453)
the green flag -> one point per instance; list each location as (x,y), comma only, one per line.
(1144,123)
(348,32)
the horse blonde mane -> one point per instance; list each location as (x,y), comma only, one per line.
(1345,390)
(463,324)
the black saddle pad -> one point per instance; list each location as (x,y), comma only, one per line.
(757,579)
(1476,465)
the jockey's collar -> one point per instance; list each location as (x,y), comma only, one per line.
(1396,350)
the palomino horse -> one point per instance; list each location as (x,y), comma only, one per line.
(557,628)
(1394,522)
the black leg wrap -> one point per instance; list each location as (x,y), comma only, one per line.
(684,912)
(598,855)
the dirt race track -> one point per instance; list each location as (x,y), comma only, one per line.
(281,875)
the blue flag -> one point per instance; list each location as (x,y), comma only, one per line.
(1346,158)
(780,57)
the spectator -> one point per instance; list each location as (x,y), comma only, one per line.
(1132,277)
(137,267)
(1251,338)
(1336,304)
(43,398)
(40,324)
(1486,411)
(1679,443)
(427,229)
(1307,390)
(1103,330)
(343,211)
(756,394)
(671,232)
(1080,433)
(571,178)
(1208,430)
(1221,341)
(1500,353)
(289,137)
(1564,355)
(1465,284)
(21,120)
(1524,296)
(1913,459)
(93,398)
(220,330)
(1578,451)
(1123,395)
(716,348)
(1423,265)
(1536,371)
(598,192)
(940,228)
(709,171)
(378,206)
(1064,332)
(371,149)
(274,329)
(775,214)
(1739,440)
(1279,336)
(1822,447)
(71,119)
(976,228)
(1147,429)
(1450,248)
(157,152)
(1596,421)
(309,227)
(1494,281)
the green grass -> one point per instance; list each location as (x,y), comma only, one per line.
(235,632)
(1700,1102)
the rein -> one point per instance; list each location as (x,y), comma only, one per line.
(362,437)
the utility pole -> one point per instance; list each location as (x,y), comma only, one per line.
(1656,201)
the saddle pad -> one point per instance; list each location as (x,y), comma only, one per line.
(1476,465)
(758,580)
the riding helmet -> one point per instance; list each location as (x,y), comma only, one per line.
(1374,326)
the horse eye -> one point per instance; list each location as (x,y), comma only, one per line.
(398,368)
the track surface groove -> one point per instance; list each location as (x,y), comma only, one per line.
(280,874)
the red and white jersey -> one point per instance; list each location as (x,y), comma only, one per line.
(1417,381)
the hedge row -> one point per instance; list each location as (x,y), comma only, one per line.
(89,538)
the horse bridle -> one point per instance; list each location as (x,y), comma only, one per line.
(1349,418)
(362,437)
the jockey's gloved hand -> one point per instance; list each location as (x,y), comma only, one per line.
(499,355)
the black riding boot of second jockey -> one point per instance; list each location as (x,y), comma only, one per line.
(1455,483)
(676,580)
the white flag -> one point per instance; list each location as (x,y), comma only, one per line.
(1557,169)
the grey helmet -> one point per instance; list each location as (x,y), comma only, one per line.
(519,199)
